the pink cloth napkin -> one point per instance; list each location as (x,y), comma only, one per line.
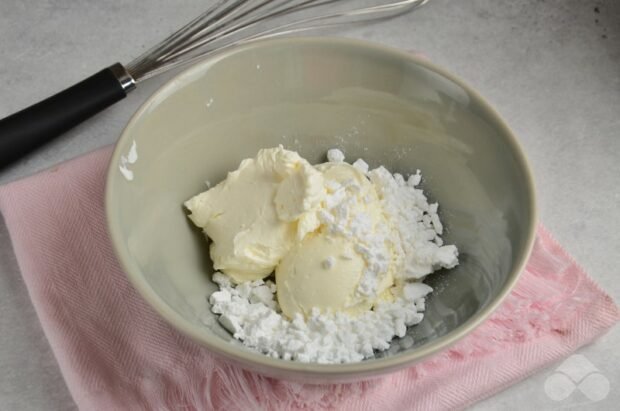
(115,353)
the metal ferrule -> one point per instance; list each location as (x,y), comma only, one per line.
(124,78)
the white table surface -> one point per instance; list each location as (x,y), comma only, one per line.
(551,68)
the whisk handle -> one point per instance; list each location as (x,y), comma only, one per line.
(24,131)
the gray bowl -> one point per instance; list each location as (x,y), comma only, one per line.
(311,94)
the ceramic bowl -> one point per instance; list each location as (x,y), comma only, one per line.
(312,94)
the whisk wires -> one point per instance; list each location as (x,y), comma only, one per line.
(231,22)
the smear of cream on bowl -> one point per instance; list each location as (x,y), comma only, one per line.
(130,158)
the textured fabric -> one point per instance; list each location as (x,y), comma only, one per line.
(115,353)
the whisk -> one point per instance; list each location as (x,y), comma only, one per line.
(227,23)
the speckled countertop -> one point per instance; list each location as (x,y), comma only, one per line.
(551,68)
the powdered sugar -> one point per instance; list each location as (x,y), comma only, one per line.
(361,165)
(335,155)
(353,212)
(328,262)
(251,314)
(417,222)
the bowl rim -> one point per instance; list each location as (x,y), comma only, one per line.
(261,362)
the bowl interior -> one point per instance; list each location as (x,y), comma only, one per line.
(310,95)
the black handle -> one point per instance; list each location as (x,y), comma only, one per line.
(28,129)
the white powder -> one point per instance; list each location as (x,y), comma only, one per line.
(345,216)
(328,263)
(361,165)
(334,155)
(417,222)
(250,312)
